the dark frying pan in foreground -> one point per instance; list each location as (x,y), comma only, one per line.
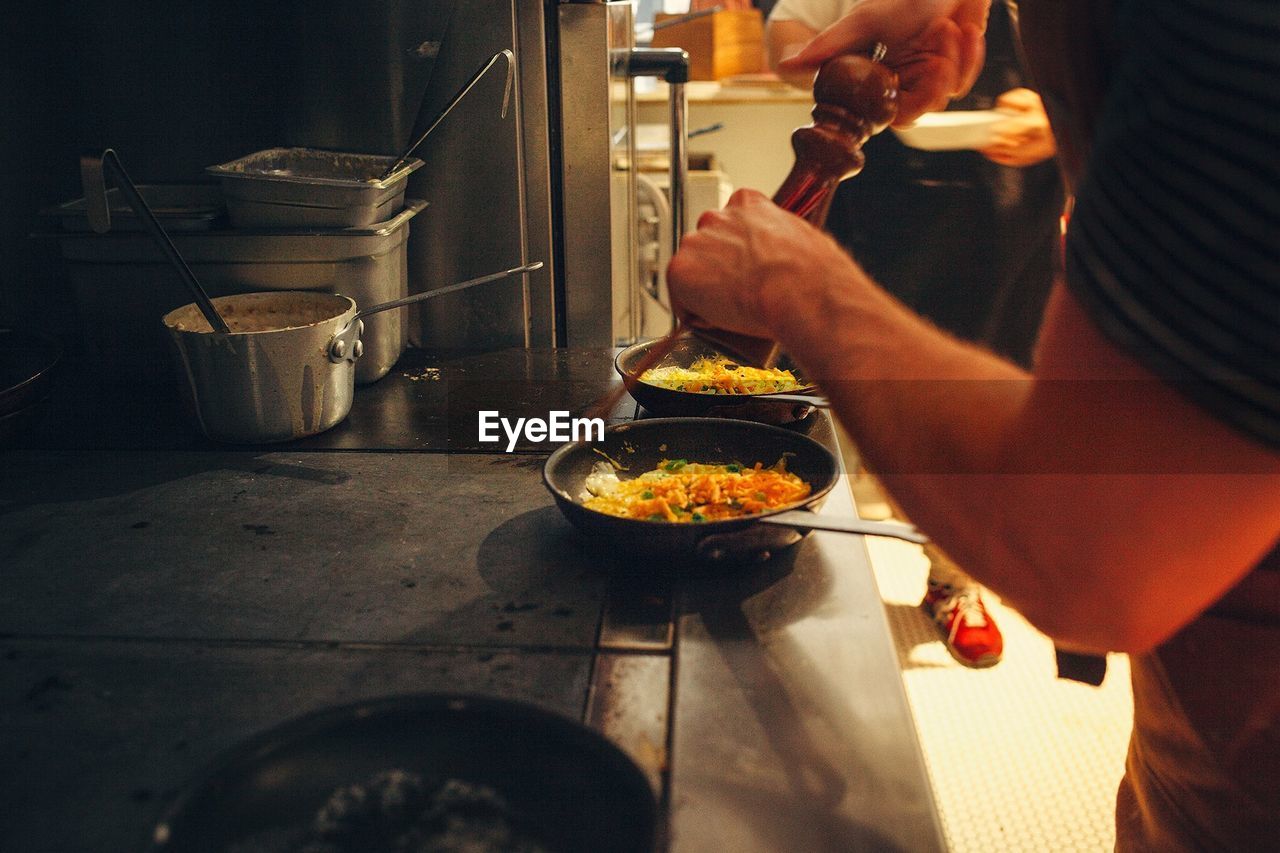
(764,408)
(641,446)
(568,788)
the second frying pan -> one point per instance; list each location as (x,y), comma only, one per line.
(763,408)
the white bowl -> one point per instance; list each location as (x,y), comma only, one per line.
(953,130)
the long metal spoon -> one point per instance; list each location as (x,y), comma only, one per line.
(475,78)
(95,196)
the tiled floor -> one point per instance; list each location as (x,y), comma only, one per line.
(1019,760)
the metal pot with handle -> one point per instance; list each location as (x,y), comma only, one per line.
(286,367)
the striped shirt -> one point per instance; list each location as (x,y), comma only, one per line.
(1174,244)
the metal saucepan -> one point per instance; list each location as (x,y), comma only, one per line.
(568,788)
(286,368)
(641,446)
(764,408)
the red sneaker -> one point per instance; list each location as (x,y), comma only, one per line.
(966,627)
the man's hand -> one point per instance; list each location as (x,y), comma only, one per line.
(1026,138)
(744,264)
(936,47)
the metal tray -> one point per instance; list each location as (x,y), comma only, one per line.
(123,285)
(179,207)
(310,187)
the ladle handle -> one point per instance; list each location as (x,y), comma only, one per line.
(346,345)
(800,519)
(441,291)
(475,78)
(95,188)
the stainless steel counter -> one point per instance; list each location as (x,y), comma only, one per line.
(792,727)
(158,605)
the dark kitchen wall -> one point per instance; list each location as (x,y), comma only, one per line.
(177,86)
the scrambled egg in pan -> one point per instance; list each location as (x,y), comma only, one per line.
(719,375)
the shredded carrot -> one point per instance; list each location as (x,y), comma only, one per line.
(682,491)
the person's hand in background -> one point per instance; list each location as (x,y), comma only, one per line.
(785,39)
(936,47)
(1025,138)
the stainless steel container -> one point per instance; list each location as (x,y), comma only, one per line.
(271,379)
(123,286)
(178,207)
(311,188)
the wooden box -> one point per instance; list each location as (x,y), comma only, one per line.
(726,43)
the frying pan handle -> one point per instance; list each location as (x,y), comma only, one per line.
(799,519)
(815,400)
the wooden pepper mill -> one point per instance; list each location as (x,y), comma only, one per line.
(855,98)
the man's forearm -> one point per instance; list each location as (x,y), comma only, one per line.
(893,375)
(1067,493)
(930,413)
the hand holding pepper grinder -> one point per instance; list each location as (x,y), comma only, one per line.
(855,98)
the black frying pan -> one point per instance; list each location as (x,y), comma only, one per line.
(568,787)
(642,445)
(764,408)
(26,365)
